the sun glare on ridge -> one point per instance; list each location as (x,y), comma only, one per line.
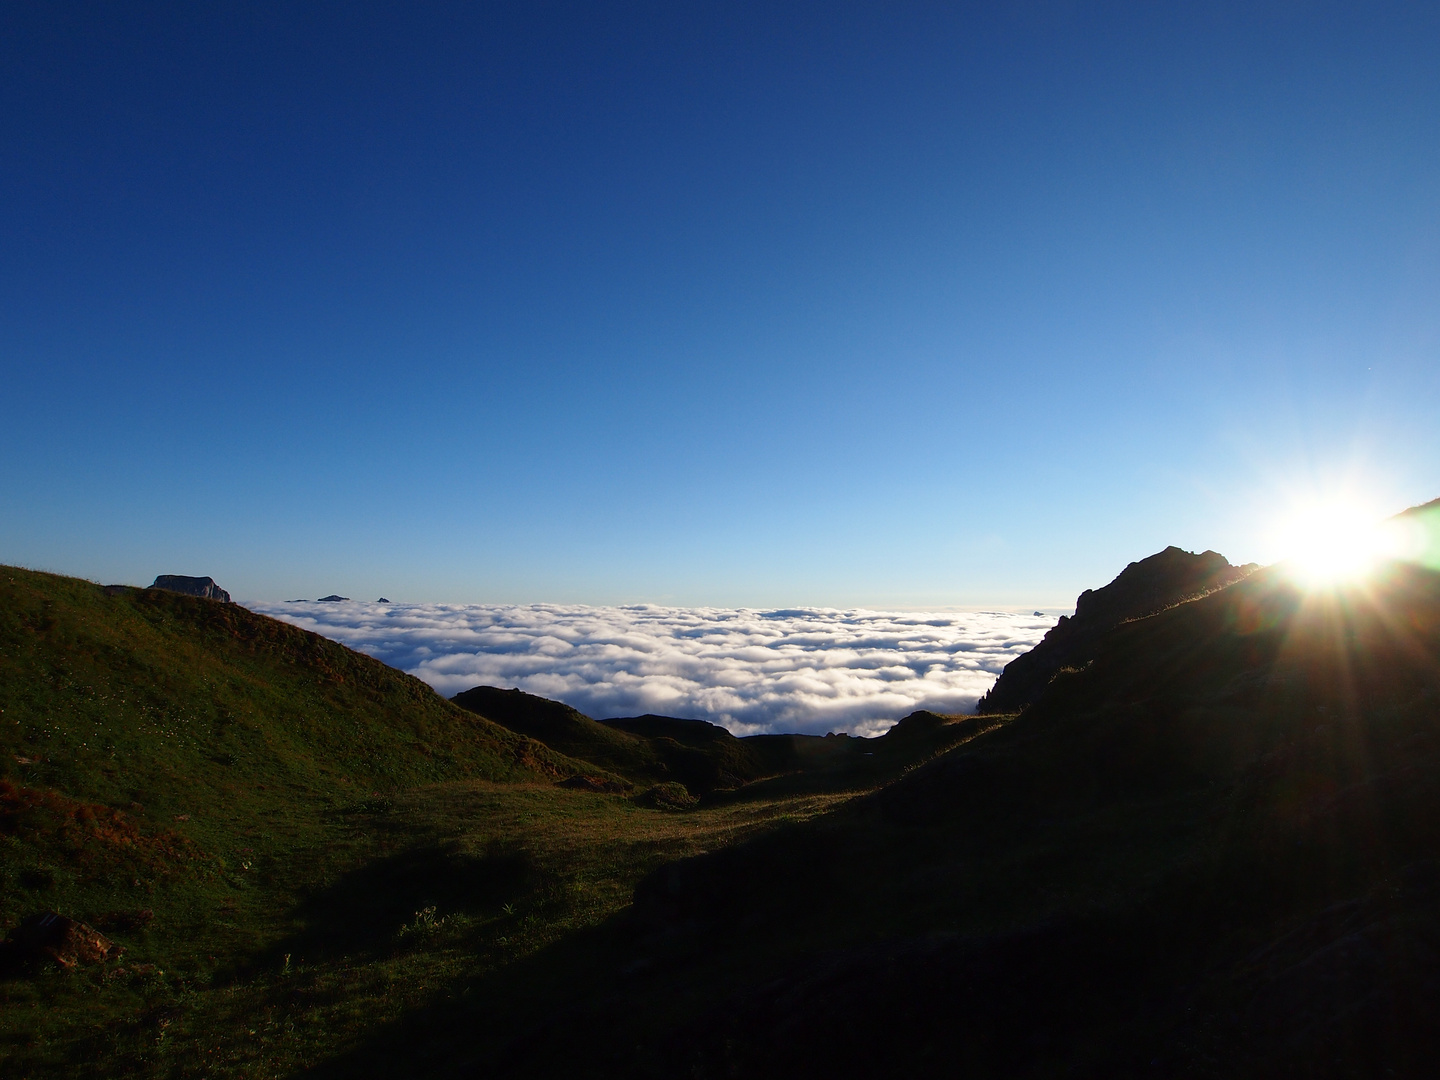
(1335,541)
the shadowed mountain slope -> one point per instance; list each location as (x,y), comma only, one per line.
(703,756)
(644,749)
(1143,588)
(1215,851)
(707,758)
(1210,849)
(567,730)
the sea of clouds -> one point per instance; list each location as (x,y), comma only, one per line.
(802,670)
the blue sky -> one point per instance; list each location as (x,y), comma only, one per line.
(880,305)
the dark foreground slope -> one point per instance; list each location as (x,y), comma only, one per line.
(1212,852)
(1215,851)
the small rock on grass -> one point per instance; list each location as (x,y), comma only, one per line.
(49,935)
(667,796)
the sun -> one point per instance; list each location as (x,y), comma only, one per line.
(1334,541)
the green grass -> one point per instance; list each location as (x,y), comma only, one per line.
(346,875)
(453,885)
(705,759)
(1235,807)
(293,842)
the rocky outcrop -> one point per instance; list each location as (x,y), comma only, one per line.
(54,937)
(192,586)
(1143,588)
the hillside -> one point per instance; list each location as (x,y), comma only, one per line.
(291,842)
(1212,848)
(567,730)
(646,750)
(1143,588)
(706,758)
(177,705)
(1214,851)
(702,756)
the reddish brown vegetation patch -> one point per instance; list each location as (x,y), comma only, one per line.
(531,755)
(86,829)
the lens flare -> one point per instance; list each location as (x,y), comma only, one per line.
(1335,542)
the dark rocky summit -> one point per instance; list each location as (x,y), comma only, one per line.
(1143,588)
(192,586)
(333,598)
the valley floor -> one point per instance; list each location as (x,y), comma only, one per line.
(449,893)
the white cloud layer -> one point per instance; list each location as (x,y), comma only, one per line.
(803,670)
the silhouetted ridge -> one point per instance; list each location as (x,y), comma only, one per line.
(538,717)
(556,724)
(689,732)
(1215,851)
(1142,588)
(643,749)
(921,724)
(706,758)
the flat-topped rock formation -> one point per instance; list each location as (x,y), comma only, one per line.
(192,586)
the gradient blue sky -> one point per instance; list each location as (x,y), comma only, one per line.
(885,305)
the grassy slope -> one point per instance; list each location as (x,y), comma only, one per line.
(292,841)
(194,760)
(709,760)
(152,697)
(702,756)
(569,731)
(207,722)
(646,750)
(1217,849)
(1147,866)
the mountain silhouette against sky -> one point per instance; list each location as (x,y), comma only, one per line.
(1202,838)
(1143,588)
